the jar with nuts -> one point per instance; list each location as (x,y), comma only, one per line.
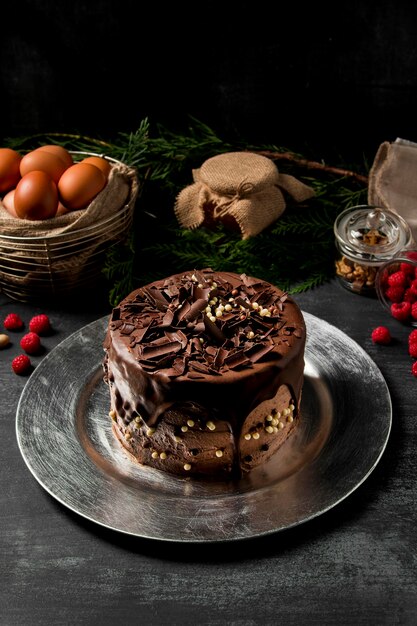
(366,237)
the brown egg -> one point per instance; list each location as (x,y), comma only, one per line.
(38,160)
(36,196)
(9,169)
(8,203)
(60,151)
(79,184)
(102,164)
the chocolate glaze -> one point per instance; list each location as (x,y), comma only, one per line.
(169,359)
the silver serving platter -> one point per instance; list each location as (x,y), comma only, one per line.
(65,437)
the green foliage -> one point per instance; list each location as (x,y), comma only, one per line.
(296,252)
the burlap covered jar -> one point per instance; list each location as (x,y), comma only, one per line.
(243,190)
(40,260)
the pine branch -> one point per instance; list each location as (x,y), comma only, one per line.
(164,161)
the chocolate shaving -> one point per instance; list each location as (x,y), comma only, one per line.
(157,350)
(171,332)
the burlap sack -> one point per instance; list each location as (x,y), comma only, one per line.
(393,180)
(241,189)
(55,254)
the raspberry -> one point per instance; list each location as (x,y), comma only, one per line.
(40,324)
(412,255)
(414,369)
(21,364)
(382,335)
(409,295)
(30,343)
(413,286)
(414,310)
(395,294)
(401,310)
(397,279)
(13,322)
(407,269)
(412,349)
(412,337)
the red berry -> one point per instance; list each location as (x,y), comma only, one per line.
(382,335)
(21,364)
(397,279)
(412,255)
(13,322)
(412,337)
(407,269)
(395,294)
(40,324)
(401,310)
(30,343)
(414,369)
(412,349)
(413,286)
(414,310)
(409,295)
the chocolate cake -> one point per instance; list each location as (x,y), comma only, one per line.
(205,372)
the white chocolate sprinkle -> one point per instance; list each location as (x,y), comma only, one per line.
(184,429)
(290,418)
(190,423)
(155,455)
(163,455)
(248,436)
(250,334)
(269,429)
(291,407)
(210,425)
(128,435)
(150,432)
(219,453)
(187,467)
(113,414)
(228,307)
(255,435)
(255,305)
(269,418)
(177,439)
(280,425)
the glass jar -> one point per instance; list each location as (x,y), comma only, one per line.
(366,238)
(396,286)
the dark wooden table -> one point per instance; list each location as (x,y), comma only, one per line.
(355,564)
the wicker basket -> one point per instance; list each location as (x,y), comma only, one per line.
(40,268)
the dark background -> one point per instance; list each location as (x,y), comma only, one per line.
(329,81)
